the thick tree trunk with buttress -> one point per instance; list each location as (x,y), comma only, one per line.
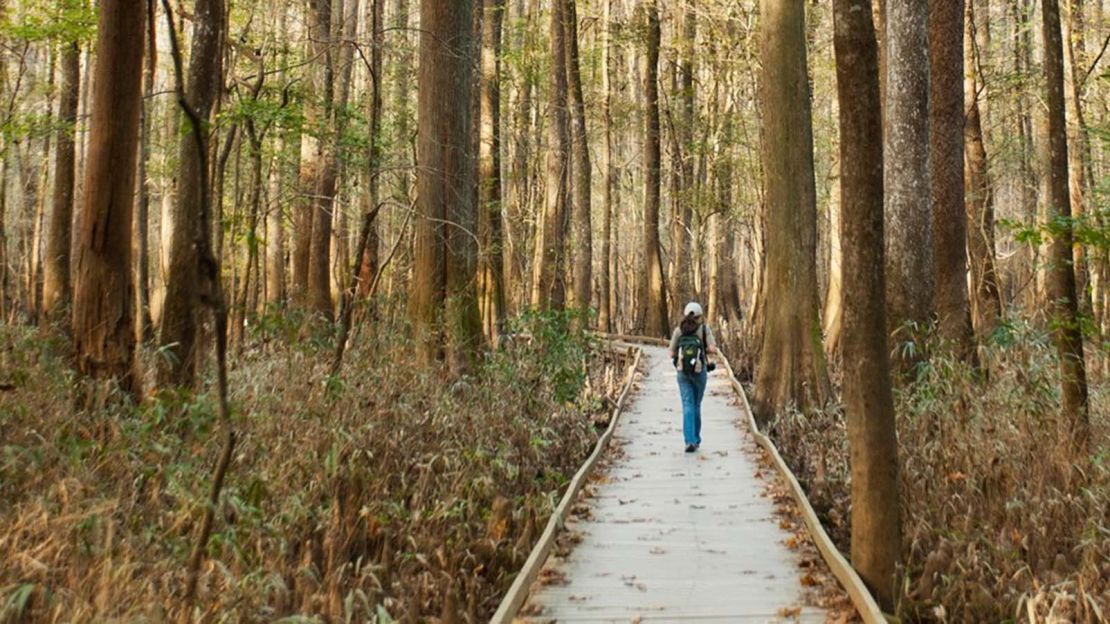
(792,371)
(653,295)
(1062,302)
(103,321)
(868,399)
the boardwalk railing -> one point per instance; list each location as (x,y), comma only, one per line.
(861,597)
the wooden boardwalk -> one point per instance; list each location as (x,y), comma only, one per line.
(671,536)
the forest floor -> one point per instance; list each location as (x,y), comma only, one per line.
(388,493)
(1000,522)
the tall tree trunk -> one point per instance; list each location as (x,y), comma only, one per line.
(605,300)
(909,223)
(275,231)
(520,187)
(548,277)
(1078,152)
(310,165)
(986,300)
(682,282)
(56,279)
(103,322)
(1062,303)
(275,212)
(489,170)
(402,92)
(368,265)
(791,369)
(946,149)
(653,292)
(250,278)
(145,323)
(323,203)
(583,231)
(180,309)
(833,317)
(443,299)
(868,399)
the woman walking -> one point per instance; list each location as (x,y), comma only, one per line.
(691,343)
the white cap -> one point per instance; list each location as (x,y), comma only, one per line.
(693,309)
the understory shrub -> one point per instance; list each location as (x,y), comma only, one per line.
(388,492)
(999,520)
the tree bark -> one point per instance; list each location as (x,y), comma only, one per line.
(489,171)
(833,317)
(275,213)
(323,201)
(1078,144)
(548,280)
(682,281)
(145,323)
(946,151)
(868,399)
(1062,302)
(986,300)
(103,322)
(443,301)
(605,300)
(653,293)
(909,224)
(791,370)
(56,287)
(583,178)
(368,266)
(180,309)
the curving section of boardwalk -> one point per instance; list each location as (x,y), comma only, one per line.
(672,536)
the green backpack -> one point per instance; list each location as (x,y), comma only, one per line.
(691,352)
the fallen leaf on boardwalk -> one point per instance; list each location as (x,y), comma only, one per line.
(532,609)
(810,581)
(551,576)
(656,550)
(790,612)
(637,620)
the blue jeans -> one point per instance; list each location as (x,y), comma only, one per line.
(692,389)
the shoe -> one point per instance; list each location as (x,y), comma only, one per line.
(690,448)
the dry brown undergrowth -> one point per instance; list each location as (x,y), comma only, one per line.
(999,523)
(391,494)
